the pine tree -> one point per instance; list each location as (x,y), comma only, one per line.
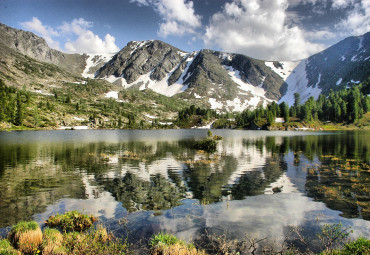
(284,109)
(18,119)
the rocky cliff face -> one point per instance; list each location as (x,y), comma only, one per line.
(139,58)
(36,47)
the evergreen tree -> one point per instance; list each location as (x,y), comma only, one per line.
(19,114)
(284,109)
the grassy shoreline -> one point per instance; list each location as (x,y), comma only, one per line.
(76,233)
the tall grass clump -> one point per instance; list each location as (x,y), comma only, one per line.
(26,237)
(52,242)
(96,241)
(166,244)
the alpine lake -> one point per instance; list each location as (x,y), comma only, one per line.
(141,182)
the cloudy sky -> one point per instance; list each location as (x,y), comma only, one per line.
(264,29)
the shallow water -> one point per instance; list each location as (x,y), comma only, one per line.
(140,182)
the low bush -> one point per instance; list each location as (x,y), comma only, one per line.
(360,246)
(52,242)
(166,244)
(94,242)
(208,145)
(6,248)
(71,221)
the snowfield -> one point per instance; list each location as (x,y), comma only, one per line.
(102,58)
(298,83)
(288,68)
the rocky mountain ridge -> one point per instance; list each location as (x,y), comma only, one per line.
(222,81)
(33,46)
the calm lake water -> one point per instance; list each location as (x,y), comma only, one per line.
(142,182)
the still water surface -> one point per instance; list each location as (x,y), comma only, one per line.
(155,181)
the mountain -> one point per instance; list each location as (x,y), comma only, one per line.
(222,81)
(36,47)
(340,66)
(228,82)
(233,82)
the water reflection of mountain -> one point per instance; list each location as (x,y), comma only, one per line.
(156,174)
(30,181)
(236,169)
(137,194)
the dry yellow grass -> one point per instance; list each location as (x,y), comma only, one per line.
(28,241)
(176,249)
(52,242)
(101,234)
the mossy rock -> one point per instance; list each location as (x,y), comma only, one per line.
(26,236)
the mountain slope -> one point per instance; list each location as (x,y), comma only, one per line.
(342,65)
(219,80)
(36,47)
(228,82)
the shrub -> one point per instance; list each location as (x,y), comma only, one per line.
(26,237)
(71,221)
(360,246)
(52,242)
(94,242)
(167,244)
(208,145)
(6,248)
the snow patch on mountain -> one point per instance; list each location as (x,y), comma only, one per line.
(255,95)
(137,45)
(298,83)
(257,92)
(189,59)
(94,60)
(339,81)
(318,80)
(112,94)
(215,104)
(360,45)
(285,68)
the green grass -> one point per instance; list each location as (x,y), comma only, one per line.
(165,239)
(361,246)
(24,226)
(71,221)
(6,248)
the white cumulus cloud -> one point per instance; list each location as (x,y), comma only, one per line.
(258,29)
(87,41)
(35,25)
(337,4)
(83,39)
(178,16)
(357,21)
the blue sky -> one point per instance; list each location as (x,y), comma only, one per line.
(264,29)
